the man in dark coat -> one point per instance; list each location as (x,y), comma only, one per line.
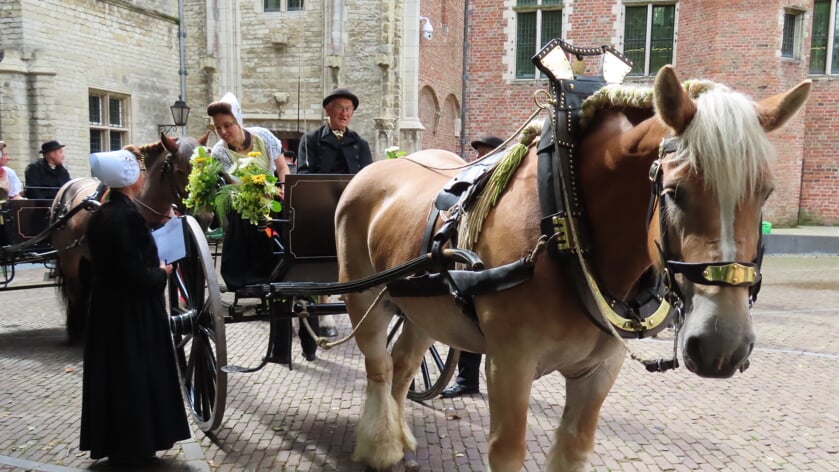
(131,398)
(334,148)
(45,176)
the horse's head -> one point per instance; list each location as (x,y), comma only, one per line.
(711,181)
(168,166)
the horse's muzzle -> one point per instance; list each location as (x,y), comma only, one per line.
(704,361)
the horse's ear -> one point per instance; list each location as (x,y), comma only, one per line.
(170,144)
(137,151)
(775,111)
(672,102)
(203,139)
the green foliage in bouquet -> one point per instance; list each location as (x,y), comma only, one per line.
(203,179)
(253,196)
(393,152)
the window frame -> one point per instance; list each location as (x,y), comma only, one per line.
(830,44)
(106,127)
(538,7)
(284,6)
(796,33)
(648,37)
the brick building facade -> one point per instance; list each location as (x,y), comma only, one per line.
(282,56)
(738,43)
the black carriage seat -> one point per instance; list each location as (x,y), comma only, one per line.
(309,232)
(22,220)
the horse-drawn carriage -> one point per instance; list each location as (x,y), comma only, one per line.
(25,230)
(638,195)
(644,194)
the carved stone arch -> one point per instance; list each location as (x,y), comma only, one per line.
(429,114)
(450,125)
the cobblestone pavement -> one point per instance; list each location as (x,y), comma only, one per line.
(781,414)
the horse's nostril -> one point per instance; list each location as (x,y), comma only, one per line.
(693,348)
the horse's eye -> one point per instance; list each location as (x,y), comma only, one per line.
(672,195)
(768,194)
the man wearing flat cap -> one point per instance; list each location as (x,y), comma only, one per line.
(485,144)
(46,175)
(334,148)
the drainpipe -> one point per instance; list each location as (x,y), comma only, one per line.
(182,54)
(463,79)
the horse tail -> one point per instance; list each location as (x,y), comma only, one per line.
(74,292)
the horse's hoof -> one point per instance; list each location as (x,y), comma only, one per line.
(410,462)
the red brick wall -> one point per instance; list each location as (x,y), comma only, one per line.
(440,75)
(736,43)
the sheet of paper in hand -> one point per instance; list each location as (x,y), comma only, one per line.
(170,241)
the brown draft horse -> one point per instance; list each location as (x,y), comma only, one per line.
(167,164)
(713,187)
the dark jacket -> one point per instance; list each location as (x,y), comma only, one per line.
(43,181)
(320,152)
(131,398)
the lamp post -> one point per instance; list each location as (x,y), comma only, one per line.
(180,115)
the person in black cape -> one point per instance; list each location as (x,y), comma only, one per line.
(131,399)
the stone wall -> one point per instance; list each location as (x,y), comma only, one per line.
(58,50)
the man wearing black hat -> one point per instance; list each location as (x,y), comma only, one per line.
(334,148)
(45,176)
(485,144)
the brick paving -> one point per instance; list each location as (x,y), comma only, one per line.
(781,414)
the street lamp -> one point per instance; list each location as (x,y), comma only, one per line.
(180,114)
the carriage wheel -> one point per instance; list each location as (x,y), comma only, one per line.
(197,322)
(434,373)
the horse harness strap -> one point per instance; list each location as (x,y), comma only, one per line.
(563,215)
(456,197)
(732,274)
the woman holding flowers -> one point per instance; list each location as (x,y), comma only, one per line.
(247,156)
(248,254)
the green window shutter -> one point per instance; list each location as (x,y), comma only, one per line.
(635,37)
(661,49)
(551,26)
(818,37)
(525,45)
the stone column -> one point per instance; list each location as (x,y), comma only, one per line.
(410,126)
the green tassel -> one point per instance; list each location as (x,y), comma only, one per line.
(498,181)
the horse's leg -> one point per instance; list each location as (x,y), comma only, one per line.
(584,397)
(74,285)
(509,378)
(407,354)
(382,435)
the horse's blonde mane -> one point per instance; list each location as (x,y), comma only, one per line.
(634,96)
(724,140)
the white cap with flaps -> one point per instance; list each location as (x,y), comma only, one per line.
(234,107)
(115,169)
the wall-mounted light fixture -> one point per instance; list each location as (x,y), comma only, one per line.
(180,115)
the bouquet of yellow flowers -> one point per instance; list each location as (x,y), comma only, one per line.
(203,179)
(253,197)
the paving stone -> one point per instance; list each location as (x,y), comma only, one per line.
(780,414)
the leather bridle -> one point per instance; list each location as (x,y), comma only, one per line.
(167,167)
(728,274)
